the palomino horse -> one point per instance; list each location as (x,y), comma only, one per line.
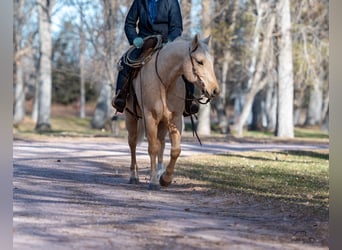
(160,93)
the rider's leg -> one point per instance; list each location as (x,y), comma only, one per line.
(122,84)
(119,101)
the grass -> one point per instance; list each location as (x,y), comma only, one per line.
(310,133)
(299,133)
(299,177)
(63,126)
(295,176)
(299,180)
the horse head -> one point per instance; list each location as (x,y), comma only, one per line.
(202,72)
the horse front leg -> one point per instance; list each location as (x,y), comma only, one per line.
(175,137)
(132,128)
(162,130)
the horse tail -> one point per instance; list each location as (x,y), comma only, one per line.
(140,132)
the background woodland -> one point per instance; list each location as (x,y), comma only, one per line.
(271,60)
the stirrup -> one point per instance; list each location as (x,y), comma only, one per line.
(191,109)
(119,104)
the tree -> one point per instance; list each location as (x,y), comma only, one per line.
(19,97)
(109,47)
(259,78)
(22,39)
(285,126)
(224,31)
(103,108)
(310,32)
(81,62)
(44,94)
(203,127)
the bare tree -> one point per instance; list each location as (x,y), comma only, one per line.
(227,59)
(204,124)
(44,96)
(285,126)
(259,78)
(186,10)
(113,45)
(310,26)
(22,49)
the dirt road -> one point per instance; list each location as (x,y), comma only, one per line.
(73,194)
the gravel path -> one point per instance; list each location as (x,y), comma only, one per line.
(73,194)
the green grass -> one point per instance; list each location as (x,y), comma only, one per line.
(310,133)
(300,133)
(299,177)
(64,126)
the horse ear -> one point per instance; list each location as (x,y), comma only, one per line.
(194,44)
(206,40)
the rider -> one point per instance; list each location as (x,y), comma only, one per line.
(153,17)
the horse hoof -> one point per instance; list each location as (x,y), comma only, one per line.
(152,186)
(133,180)
(164,183)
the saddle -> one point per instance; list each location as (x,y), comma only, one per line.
(151,45)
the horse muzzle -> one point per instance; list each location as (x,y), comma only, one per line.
(212,94)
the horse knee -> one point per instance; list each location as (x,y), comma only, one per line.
(175,152)
(154,149)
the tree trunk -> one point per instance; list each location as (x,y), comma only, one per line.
(19,98)
(103,110)
(186,9)
(314,112)
(34,114)
(285,127)
(258,112)
(44,96)
(19,93)
(223,118)
(82,86)
(318,105)
(271,106)
(241,101)
(221,102)
(257,82)
(203,127)
(112,46)
(325,123)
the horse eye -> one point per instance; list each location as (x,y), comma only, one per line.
(200,62)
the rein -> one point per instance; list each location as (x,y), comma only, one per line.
(199,100)
(138,63)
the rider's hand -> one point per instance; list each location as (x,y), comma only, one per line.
(138,42)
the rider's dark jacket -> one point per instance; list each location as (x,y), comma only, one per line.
(168,21)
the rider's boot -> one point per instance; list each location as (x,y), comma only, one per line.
(191,106)
(119,101)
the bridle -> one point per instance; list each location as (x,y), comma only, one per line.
(199,100)
(194,72)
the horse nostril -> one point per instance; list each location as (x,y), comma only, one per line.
(216,92)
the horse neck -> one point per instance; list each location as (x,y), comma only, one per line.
(171,61)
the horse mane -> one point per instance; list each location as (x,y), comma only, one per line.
(183,38)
